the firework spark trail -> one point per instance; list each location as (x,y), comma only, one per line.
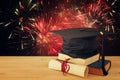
(47,42)
(21,12)
(20,19)
(68,17)
(92,15)
(65,14)
(97,14)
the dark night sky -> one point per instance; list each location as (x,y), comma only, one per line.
(8,6)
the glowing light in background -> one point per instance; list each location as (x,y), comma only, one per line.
(21,14)
(20,20)
(100,14)
(95,14)
(60,14)
(48,43)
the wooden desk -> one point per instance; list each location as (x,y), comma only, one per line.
(36,68)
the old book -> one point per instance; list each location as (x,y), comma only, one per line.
(96,67)
(79,70)
(80,61)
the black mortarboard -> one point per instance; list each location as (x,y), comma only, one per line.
(82,43)
(79,42)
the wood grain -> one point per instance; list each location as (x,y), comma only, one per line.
(36,68)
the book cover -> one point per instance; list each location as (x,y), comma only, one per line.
(96,67)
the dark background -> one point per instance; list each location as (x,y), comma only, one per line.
(112,47)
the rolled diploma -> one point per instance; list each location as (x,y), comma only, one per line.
(79,70)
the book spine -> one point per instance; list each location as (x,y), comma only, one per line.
(79,70)
(95,71)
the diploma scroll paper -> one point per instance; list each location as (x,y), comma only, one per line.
(79,70)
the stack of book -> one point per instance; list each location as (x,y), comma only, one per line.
(79,55)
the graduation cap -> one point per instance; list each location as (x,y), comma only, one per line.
(79,42)
(82,43)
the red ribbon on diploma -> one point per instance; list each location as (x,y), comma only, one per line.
(64,66)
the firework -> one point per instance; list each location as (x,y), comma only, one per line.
(95,14)
(100,14)
(71,14)
(20,19)
(42,17)
(21,13)
(47,42)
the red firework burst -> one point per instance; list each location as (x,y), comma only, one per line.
(92,15)
(48,43)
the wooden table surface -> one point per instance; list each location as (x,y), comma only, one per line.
(36,68)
